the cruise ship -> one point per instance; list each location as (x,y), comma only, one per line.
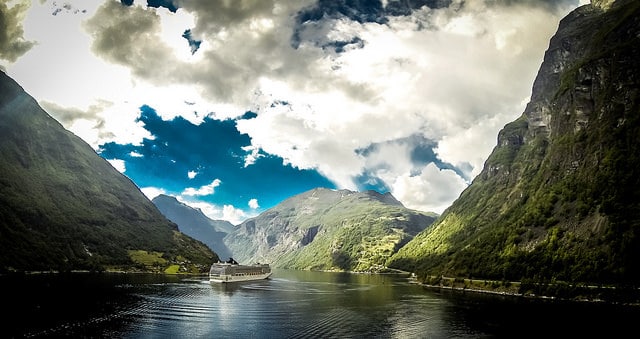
(231,271)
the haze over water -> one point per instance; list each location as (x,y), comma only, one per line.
(291,304)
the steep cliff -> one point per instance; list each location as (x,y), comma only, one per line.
(195,224)
(324,229)
(62,207)
(558,198)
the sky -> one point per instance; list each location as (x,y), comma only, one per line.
(233,106)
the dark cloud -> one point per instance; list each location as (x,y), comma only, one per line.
(549,4)
(213,149)
(213,16)
(404,7)
(12,43)
(68,115)
(356,10)
(341,46)
(244,42)
(361,11)
(365,10)
(130,36)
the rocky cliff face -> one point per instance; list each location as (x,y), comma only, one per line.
(557,198)
(62,207)
(324,229)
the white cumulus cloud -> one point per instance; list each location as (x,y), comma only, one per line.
(118,164)
(152,192)
(203,190)
(253,204)
(453,76)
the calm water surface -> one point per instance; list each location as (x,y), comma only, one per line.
(291,304)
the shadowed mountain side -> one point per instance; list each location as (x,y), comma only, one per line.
(195,224)
(62,207)
(324,229)
(558,198)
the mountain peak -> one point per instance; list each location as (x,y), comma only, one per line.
(328,229)
(602,4)
(164,197)
(386,198)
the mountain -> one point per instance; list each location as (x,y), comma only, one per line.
(195,224)
(63,207)
(559,197)
(324,229)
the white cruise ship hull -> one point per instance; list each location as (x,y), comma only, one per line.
(237,278)
(233,272)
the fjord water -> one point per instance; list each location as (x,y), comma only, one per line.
(291,304)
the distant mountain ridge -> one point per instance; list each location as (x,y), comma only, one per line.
(325,229)
(63,207)
(558,198)
(196,224)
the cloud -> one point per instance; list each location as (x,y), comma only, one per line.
(203,190)
(143,40)
(326,84)
(118,164)
(253,154)
(116,36)
(152,192)
(361,93)
(215,212)
(552,5)
(432,190)
(434,74)
(12,42)
(97,122)
(192,174)
(234,215)
(253,204)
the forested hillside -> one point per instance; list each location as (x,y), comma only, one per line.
(326,229)
(63,207)
(558,199)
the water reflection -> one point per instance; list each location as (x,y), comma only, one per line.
(291,304)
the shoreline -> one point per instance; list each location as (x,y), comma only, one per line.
(513,293)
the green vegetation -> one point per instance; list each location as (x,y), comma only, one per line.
(329,230)
(173,269)
(147,259)
(557,206)
(64,208)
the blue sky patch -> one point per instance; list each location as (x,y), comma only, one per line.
(211,151)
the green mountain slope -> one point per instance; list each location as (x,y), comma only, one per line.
(559,197)
(195,224)
(62,207)
(324,229)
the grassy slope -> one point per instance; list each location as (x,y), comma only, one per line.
(328,230)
